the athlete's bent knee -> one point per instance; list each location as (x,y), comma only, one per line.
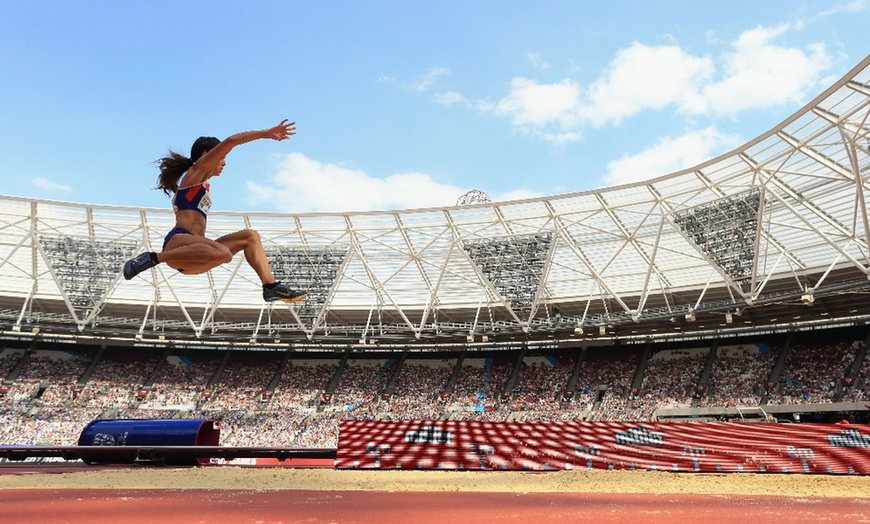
(252,236)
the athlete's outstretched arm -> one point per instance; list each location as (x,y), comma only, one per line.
(213,159)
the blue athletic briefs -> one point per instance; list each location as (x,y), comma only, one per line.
(172,233)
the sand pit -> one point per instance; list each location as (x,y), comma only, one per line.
(282,478)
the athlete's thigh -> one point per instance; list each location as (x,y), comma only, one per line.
(193,268)
(183,239)
(193,254)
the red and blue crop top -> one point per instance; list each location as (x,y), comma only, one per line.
(194,198)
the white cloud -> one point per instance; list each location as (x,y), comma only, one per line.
(670,155)
(563,137)
(538,61)
(755,73)
(516,194)
(306,185)
(760,74)
(44,183)
(855,6)
(533,107)
(575,66)
(643,77)
(429,79)
(639,78)
(449,98)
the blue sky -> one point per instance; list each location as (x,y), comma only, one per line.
(401,104)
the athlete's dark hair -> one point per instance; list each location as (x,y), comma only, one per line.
(174,165)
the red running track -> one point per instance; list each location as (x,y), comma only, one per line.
(240,506)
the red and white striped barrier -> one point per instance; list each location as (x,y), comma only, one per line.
(687,446)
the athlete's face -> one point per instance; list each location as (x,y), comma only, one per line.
(220,168)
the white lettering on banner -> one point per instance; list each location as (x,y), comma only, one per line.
(233,462)
(105,439)
(586,451)
(849,438)
(640,437)
(38,460)
(428,435)
(799,453)
(693,451)
(482,449)
(374,447)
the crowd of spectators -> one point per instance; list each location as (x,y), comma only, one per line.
(49,426)
(608,374)
(46,379)
(541,391)
(8,359)
(359,385)
(48,395)
(614,405)
(739,376)
(241,384)
(302,383)
(477,394)
(539,385)
(813,374)
(262,429)
(469,388)
(181,382)
(671,378)
(858,390)
(115,382)
(419,390)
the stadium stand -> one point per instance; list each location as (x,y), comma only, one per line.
(269,398)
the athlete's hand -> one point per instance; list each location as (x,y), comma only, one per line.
(282,131)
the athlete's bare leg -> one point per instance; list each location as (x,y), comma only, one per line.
(197,254)
(248,240)
(194,254)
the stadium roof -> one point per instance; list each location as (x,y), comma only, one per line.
(773,235)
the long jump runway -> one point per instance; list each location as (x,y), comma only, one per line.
(383,507)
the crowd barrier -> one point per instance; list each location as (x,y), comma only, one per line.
(681,447)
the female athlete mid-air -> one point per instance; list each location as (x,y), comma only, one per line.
(185,247)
